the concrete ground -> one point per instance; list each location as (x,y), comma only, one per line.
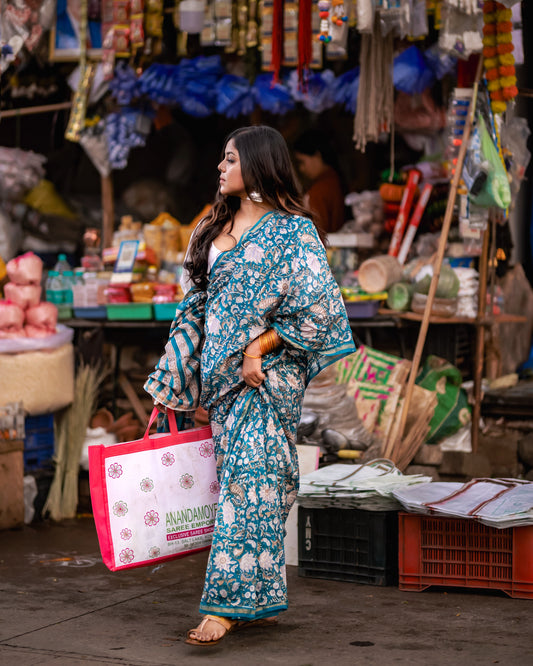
(60,606)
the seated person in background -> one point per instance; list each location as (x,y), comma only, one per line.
(315,159)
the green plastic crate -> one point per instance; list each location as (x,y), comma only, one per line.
(165,311)
(128,311)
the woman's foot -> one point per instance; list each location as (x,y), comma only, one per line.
(210,631)
(213,628)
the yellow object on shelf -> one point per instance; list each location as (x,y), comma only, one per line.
(164,236)
(349,454)
(45,199)
(165,220)
(350,295)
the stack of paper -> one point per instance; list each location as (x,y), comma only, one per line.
(415,498)
(368,486)
(511,509)
(494,502)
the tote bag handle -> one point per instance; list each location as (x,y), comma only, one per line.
(171,421)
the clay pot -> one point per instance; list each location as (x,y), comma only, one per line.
(102,419)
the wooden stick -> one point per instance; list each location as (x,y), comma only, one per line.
(480,337)
(492,261)
(33,110)
(525,92)
(133,398)
(108,210)
(440,251)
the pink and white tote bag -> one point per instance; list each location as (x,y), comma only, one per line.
(155,498)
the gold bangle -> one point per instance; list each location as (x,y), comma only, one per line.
(268,341)
(262,345)
(250,355)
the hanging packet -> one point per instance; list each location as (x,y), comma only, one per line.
(496,190)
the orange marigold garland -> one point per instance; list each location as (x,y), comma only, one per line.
(498,55)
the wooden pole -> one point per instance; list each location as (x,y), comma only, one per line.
(133,398)
(440,252)
(492,261)
(108,210)
(480,337)
(33,110)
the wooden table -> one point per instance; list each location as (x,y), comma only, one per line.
(134,332)
(119,334)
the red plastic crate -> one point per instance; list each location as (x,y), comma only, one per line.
(457,552)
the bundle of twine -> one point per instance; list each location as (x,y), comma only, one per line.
(375,99)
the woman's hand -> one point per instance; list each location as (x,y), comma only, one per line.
(251,367)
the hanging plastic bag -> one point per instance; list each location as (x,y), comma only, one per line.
(272,97)
(476,168)
(496,190)
(346,89)
(514,136)
(410,72)
(417,19)
(452,411)
(439,62)
(234,96)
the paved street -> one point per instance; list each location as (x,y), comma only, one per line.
(60,606)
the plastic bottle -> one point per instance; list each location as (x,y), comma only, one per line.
(68,283)
(78,276)
(55,292)
(62,264)
(79,296)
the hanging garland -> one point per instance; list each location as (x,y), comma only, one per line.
(498,55)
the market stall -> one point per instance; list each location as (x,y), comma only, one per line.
(420,103)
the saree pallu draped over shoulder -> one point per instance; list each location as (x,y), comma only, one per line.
(277,276)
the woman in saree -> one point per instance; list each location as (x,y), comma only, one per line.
(262,314)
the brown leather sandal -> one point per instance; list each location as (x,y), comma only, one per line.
(223,621)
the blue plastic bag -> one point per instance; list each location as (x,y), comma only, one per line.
(410,72)
(272,97)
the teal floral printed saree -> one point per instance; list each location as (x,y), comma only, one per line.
(277,276)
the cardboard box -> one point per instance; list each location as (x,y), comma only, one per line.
(11,484)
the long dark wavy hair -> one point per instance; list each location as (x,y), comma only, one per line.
(266,168)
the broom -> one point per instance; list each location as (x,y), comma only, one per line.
(71,429)
(52,506)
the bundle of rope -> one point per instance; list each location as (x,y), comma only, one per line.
(375,99)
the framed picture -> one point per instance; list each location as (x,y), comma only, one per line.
(123,269)
(65,32)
